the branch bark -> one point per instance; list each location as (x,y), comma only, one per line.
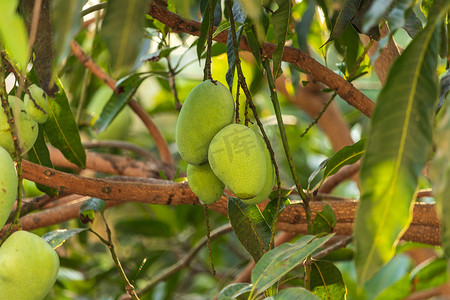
(425,226)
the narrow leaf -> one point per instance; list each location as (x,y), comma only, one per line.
(66,20)
(430,274)
(40,155)
(346,156)
(204,29)
(270,210)
(294,293)
(123,31)
(397,149)
(13,33)
(58,237)
(303,27)
(375,13)
(278,262)
(250,227)
(398,14)
(445,88)
(234,290)
(281,20)
(349,10)
(413,25)
(124,91)
(239,16)
(326,281)
(61,129)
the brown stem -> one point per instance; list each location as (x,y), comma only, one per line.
(295,56)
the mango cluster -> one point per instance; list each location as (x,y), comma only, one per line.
(218,152)
(28,264)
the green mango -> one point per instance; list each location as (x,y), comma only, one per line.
(28,267)
(27,127)
(37,109)
(270,178)
(237,158)
(8,185)
(208,108)
(204,183)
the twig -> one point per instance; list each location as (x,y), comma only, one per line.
(340,244)
(185,261)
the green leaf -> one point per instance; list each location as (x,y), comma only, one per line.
(279,261)
(445,88)
(440,179)
(281,20)
(348,11)
(239,17)
(124,91)
(161,53)
(346,156)
(398,14)
(234,290)
(88,209)
(204,29)
(39,155)
(270,210)
(225,25)
(66,20)
(61,129)
(123,31)
(326,281)
(13,33)
(397,149)
(432,273)
(250,227)
(294,293)
(303,27)
(387,276)
(324,221)
(58,237)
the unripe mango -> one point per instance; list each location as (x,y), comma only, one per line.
(27,127)
(204,183)
(270,178)
(8,185)
(238,160)
(37,107)
(28,267)
(208,108)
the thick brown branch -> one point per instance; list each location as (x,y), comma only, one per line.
(424,226)
(295,56)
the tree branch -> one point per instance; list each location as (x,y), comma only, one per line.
(295,56)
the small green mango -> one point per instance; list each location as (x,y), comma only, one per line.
(27,127)
(270,179)
(8,185)
(204,183)
(208,108)
(28,267)
(37,109)
(237,158)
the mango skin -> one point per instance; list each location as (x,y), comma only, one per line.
(204,183)
(270,179)
(8,185)
(237,158)
(27,127)
(28,267)
(37,110)
(208,108)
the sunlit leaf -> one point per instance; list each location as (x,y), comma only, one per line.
(13,33)
(279,261)
(397,149)
(430,274)
(250,227)
(294,293)
(61,129)
(58,237)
